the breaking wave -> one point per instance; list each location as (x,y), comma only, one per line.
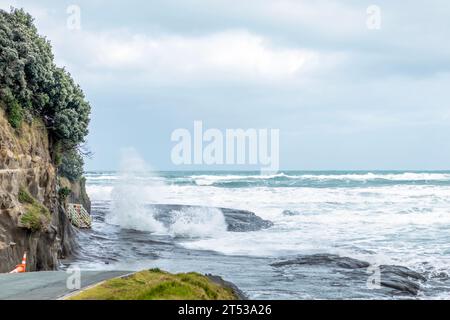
(137,188)
(198,222)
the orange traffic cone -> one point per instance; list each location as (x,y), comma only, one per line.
(21,267)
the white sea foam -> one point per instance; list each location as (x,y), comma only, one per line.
(401,223)
(198,222)
(407,176)
(208,180)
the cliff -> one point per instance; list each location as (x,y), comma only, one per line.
(31,216)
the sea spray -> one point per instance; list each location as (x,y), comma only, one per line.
(129,197)
(137,187)
(197,222)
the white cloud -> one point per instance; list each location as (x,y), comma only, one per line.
(232,55)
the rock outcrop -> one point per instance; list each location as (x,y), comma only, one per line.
(399,279)
(26,164)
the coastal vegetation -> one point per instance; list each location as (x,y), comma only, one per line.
(36,215)
(155,284)
(31,86)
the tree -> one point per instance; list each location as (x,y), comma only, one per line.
(67,112)
(31,83)
(71,165)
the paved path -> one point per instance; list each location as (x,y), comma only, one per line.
(47,285)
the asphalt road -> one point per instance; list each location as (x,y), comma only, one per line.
(48,285)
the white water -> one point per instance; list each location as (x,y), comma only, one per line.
(198,222)
(396,224)
(136,188)
(129,201)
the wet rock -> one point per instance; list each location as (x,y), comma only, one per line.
(220,281)
(237,220)
(324,259)
(403,280)
(242,221)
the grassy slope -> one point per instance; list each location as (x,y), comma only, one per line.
(158,285)
(36,216)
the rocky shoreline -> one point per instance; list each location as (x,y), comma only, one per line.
(400,279)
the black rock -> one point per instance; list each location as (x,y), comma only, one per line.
(226,284)
(242,220)
(403,280)
(400,278)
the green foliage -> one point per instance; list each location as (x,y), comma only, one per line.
(63,193)
(25,197)
(35,84)
(33,219)
(68,110)
(71,165)
(15,114)
(26,63)
(13,109)
(36,216)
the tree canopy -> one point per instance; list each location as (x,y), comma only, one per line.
(32,85)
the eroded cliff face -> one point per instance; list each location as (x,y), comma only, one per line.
(25,164)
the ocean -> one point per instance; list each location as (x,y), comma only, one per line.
(381,217)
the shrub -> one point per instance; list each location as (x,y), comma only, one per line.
(32,219)
(36,216)
(14,111)
(15,114)
(63,193)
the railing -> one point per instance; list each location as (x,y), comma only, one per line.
(78,216)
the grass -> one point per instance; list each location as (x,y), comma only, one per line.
(25,197)
(36,216)
(158,285)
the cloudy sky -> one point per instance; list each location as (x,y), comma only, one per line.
(344,96)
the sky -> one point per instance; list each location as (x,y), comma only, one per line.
(344,95)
